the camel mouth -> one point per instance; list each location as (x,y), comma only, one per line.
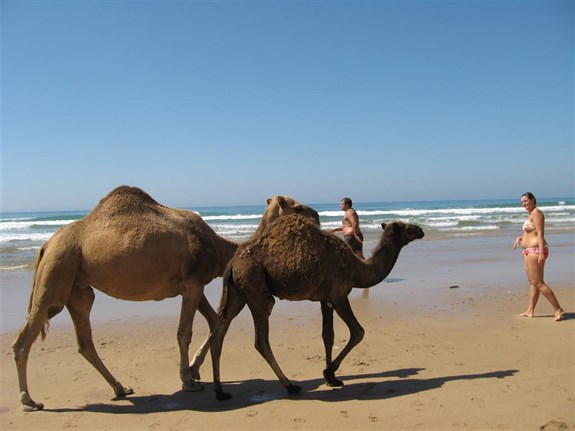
(419,233)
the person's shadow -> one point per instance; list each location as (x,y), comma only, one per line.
(257,391)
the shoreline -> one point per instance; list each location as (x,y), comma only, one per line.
(425,265)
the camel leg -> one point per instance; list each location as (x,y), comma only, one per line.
(260,305)
(52,284)
(21,347)
(212,318)
(191,299)
(234,303)
(356,332)
(328,337)
(79,305)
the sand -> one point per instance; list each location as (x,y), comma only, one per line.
(444,349)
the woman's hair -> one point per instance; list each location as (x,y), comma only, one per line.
(530,196)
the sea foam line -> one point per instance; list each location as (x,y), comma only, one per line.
(233,217)
(25,237)
(12,267)
(14,225)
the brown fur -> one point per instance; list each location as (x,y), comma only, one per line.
(295,260)
(133,248)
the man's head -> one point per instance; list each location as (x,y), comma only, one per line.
(345,204)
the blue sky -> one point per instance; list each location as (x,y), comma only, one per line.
(225,103)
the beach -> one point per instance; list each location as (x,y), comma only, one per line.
(444,348)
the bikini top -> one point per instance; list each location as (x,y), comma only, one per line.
(528,226)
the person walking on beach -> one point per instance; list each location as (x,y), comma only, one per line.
(350,227)
(536,251)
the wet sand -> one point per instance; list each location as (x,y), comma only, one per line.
(445,348)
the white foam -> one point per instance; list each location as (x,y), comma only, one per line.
(233,217)
(28,236)
(14,225)
(12,267)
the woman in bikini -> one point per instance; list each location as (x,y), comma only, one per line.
(536,251)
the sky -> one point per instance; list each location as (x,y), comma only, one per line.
(209,103)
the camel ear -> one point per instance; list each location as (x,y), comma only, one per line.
(268,201)
(281,201)
(383,226)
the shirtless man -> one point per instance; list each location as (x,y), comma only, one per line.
(350,227)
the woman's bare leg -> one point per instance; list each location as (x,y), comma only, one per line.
(535,273)
(533,298)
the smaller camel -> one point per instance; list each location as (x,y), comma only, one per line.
(295,260)
(133,248)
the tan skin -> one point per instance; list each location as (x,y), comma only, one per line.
(535,262)
(350,224)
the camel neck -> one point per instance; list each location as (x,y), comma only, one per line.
(380,264)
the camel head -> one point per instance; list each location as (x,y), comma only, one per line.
(280,205)
(403,233)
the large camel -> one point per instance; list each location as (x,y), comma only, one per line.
(133,248)
(295,260)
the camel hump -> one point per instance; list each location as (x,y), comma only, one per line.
(126,199)
(294,223)
(129,192)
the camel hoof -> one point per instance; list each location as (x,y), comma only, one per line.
(28,404)
(293,389)
(195,373)
(124,391)
(33,408)
(221,395)
(330,379)
(192,387)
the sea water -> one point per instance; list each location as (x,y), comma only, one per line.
(22,234)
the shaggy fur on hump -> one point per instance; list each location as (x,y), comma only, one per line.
(292,242)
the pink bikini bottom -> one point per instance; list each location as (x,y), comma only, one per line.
(535,250)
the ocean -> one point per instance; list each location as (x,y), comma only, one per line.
(22,234)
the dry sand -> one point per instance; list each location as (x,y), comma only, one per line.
(434,357)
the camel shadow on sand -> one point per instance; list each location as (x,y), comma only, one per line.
(258,391)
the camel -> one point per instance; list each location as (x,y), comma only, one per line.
(296,261)
(133,248)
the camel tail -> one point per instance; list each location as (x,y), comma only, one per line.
(233,298)
(37,261)
(228,278)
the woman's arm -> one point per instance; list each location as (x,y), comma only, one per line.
(539,222)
